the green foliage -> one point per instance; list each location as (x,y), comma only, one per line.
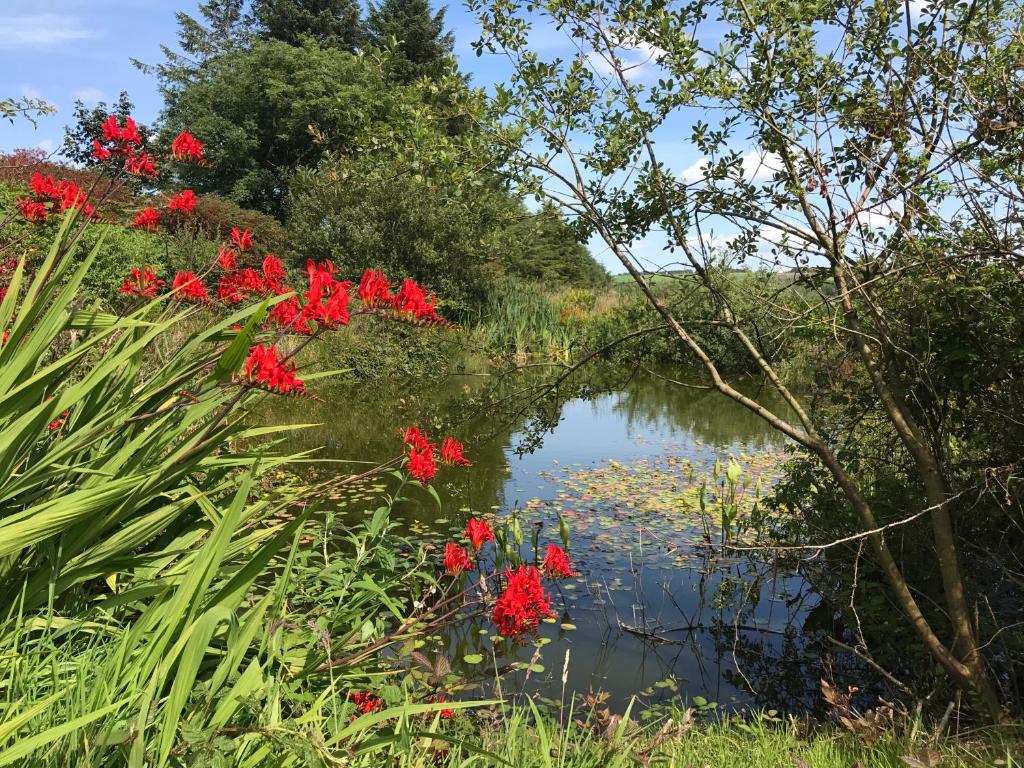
(88,125)
(332,23)
(25,107)
(419,45)
(264,111)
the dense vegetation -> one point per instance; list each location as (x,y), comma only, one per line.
(180,592)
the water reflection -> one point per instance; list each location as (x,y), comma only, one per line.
(654,611)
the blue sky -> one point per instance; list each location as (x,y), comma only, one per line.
(63,50)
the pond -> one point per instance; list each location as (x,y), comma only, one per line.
(656,610)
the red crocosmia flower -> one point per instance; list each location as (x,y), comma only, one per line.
(415,437)
(126,137)
(141,165)
(374,289)
(287,316)
(478,532)
(365,702)
(241,239)
(58,422)
(183,202)
(142,282)
(557,564)
(249,280)
(264,366)
(523,604)
(147,219)
(451,452)
(327,298)
(32,210)
(228,290)
(99,152)
(187,147)
(422,465)
(455,559)
(189,287)
(274,275)
(227,258)
(413,298)
(4,338)
(61,195)
(446,713)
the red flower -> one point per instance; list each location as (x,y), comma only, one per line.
(287,316)
(327,298)
(365,702)
(446,714)
(456,560)
(58,422)
(226,258)
(557,564)
(274,275)
(141,165)
(126,138)
(374,289)
(228,290)
(415,437)
(241,239)
(478,532)
(183,202)
(147,219)
(100,152)
(189,287)
(187,147)
(263,366)
(421,463)
(451,452)
(60,194)
(32,210)
(142,282)
(413,298)
(523,604)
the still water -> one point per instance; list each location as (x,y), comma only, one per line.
(655,611)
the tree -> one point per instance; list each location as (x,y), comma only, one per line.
(416,38)
(269,109)
(88,125)
(854,145)
(223,27)
(333,23)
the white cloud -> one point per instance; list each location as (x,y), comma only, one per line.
(89,95)
(757,166)
(46,145)
(40,30)
(636,57)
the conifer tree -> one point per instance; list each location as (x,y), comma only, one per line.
(421,46)
(333,23)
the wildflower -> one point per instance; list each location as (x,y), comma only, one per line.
(274,275)
(446,713)
(183,202)
(147,219)
(142,282)
(264,366)
(141,165)
(126,137)
(61,195)
(189,287)
(455,559)
(415,437)
(478,532)
(32,210)
(373,289)
(241,239)
(287,316)
(412,298)
(523,604)
(58,422)
(226,258)
(228,290)
(99,152)
(365,702)
(451,452)
(421,463)
(557,564)
(327,298)
(249,280)
(187,147)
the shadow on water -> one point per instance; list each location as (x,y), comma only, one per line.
(654,611)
